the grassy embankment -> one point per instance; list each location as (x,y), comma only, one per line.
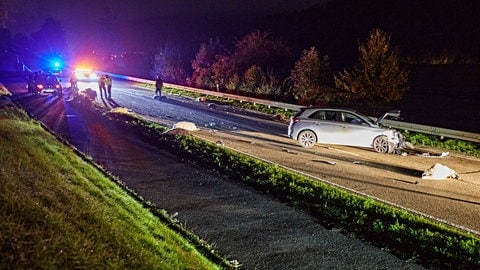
(405,234)
(58,210)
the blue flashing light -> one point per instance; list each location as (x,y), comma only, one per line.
(52,63)
(56,64)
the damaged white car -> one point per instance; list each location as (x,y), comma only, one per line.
(341,126)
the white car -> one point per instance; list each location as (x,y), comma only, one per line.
(342,126)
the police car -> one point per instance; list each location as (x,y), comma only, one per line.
(44,84)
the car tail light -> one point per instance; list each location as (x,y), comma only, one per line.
(295,119)
(57,86)
(40,86)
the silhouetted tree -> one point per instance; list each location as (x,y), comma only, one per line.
(3,14)
(311,81)
(223,73)
(263,50)
(50,39)
(170,63)
(264,57)
(108,39)
(254,77)
(207,55)
(259,82)
(377,78)
(5,40)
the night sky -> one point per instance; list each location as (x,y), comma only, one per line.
(28,15)
(80,19)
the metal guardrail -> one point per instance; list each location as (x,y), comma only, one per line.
(276,104)
(441,132)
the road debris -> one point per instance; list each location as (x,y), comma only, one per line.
(325,161)
(405,181)
(422,152)
(439,172)
(201,99)
(185,125)
(434,155)
(89,93)
(122,110)
(279,117)
(289,151)
(182,128)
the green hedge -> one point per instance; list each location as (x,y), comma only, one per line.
(470,148)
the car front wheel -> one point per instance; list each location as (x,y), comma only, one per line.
(381,145)
(307,138)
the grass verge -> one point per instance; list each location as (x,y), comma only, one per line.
(58,210)
(470,148)
(407,235)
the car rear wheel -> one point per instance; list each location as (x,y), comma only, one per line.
(381,144)
(307,138)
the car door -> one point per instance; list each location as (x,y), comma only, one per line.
(355,131)
(325,125)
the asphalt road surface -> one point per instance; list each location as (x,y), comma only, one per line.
(251,227)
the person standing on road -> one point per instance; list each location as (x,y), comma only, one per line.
(31,81)
(158,86)
(73,82)
(101,86)
(108,84)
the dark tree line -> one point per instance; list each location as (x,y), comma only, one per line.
(321,55)
(261,65)
(337,67)
(48,41)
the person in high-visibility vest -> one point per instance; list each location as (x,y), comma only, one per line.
(101,86)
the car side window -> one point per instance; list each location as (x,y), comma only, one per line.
(318,115)
(352,119)
(330,115)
